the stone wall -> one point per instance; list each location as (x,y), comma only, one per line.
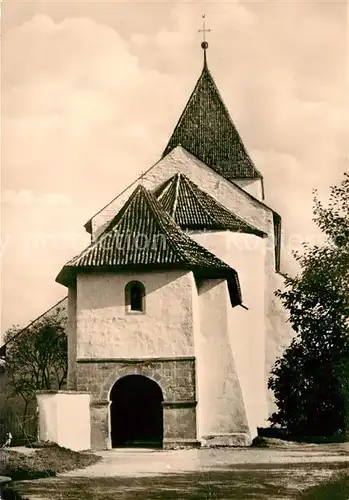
(176,378)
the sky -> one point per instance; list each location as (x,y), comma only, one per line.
(91,92)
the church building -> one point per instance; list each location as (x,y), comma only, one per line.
(173,324)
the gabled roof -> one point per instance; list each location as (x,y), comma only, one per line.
(207,131)
(144,236)
(192,208)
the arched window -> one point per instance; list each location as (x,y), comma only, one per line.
(135,297)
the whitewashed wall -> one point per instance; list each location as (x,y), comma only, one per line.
(244,329)
(252,186)
(221,409)
(106,330)
(179,160)
(64,418)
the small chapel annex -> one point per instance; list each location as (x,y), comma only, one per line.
(173,324)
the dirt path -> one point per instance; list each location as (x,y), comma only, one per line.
(257,474)
(130,462)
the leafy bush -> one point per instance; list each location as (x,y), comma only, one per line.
(311,380)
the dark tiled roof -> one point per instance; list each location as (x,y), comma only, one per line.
(143,235)
(192,208)
(206,130)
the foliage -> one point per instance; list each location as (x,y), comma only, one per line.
(36,357)
(310,380)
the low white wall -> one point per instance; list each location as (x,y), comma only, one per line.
(47,408)
(64,418)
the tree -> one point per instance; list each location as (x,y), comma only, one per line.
(311,380)
(36,357)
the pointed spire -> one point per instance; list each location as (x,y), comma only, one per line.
(206,130)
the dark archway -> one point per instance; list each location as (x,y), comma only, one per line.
(136,414)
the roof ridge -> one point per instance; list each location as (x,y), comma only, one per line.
(33,321)
(213,211)
(175,203)
(169,220)
(185,109)
(190,185)
(164,216)
(230,118)
(206,129)
(116,219)
(140,177)
(167,187)
(206,196)
(110,227)
(160,215)
(194,158)
(180,251)
(157,211)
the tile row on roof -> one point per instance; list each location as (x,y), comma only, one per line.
(206,130)
(194,209)
(144,236)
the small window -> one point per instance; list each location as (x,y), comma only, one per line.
(135,297)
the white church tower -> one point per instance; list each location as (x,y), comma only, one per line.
(173,322)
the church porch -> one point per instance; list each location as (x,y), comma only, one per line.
(176,381)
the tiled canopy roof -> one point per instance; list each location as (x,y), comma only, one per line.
(144,236)
(206,130)
(192,208)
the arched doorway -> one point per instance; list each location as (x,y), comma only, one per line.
(136,414)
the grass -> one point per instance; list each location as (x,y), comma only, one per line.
(335,489)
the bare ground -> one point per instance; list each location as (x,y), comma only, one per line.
(258,474)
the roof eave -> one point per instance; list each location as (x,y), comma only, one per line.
(88,226)
(228,274)
(66,276)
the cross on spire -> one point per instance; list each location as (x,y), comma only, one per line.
(204,29)
(204,44)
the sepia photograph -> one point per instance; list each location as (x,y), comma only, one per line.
(174,250)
